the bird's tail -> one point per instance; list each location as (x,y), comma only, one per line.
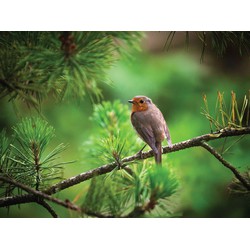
(158,153)
(168,136)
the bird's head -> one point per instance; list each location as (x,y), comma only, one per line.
(140,103)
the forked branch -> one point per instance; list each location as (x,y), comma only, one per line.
(226,164)
(34,196)
(194,142)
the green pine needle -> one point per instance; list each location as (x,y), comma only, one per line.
(116,137)
(161,182)
(30,159)
(67,64)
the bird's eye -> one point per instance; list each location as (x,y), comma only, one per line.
(141,101)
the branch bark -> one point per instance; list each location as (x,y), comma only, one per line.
(48,208)
(194,142)
(226,164)
(33,196)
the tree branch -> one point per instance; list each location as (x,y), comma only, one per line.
(33,196)
(48,207)
(226,164)
(194,142)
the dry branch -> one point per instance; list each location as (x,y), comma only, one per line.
(194,142)
(226,164)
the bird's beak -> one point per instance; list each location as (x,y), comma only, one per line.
(130,101)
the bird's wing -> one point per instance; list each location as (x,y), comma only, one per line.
(145,131)
(160,127)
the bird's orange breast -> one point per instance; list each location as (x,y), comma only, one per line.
(138,108)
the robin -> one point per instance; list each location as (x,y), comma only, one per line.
(149,123)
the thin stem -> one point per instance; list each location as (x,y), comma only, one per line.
(226,164)
(169,40)
(35,152)
(48,207)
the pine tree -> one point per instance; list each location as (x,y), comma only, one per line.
(39,65)
(35,65)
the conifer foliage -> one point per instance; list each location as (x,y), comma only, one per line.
(134,191)
(26,157)
(123,183)
(37,64)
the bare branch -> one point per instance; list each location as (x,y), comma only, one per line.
(17,199)
(34,196)
(194,142)
(48,207)
(226,164)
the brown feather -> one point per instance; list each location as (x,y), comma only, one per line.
(150,124)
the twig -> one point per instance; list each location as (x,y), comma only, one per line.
(48,207)
(226,164)
(39,198)
(34,195)
(194,142)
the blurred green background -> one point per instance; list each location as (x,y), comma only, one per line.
(175,80)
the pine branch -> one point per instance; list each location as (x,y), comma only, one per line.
(219,41)
(35,65)
(48,207)
(33,196)
(194,142)
(34,168)
(226,164)
(18,199)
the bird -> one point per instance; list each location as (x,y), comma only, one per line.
(150,124)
